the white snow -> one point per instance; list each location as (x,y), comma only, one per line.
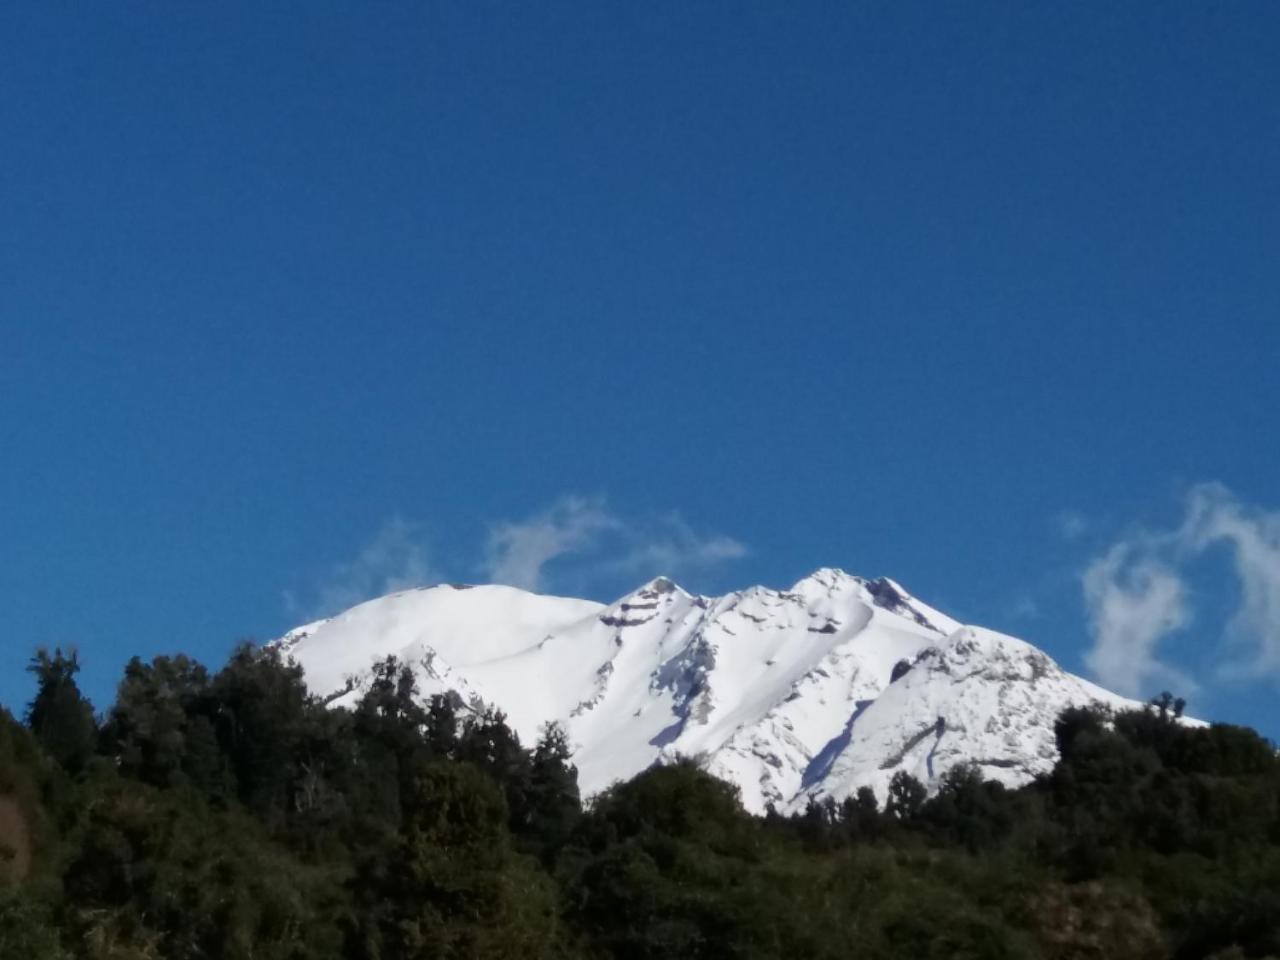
(788,694)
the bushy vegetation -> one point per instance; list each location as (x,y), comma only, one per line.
(235,816)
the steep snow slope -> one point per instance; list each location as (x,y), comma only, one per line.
(980,697)
(789,694)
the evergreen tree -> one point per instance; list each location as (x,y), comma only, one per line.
(491,746)
(59,715)
(390,726)
(443,725)
(906,797)
(391,832)
(160,873)
(967,811)
(551,803)
(261,712)
(159,730)
(454,888)
(818,826)
(860,816)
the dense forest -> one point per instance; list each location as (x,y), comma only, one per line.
(233,815)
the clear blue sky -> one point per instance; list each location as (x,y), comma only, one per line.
(965,295)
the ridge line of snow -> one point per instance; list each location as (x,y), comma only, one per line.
(787,693)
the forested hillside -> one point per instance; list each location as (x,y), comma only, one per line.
(233,815)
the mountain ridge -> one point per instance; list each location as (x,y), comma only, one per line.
(810,692)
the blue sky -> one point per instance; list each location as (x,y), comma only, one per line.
(300,303)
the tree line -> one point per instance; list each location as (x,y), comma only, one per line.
(233,815)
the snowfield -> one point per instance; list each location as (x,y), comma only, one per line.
(789,694)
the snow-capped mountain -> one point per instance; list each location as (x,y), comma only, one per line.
(836,683)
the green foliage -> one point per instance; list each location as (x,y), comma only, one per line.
(27,927)
(453,887)
(161,731)
(162,868)
(660,866)
(60,717)
(260,718)
(25,776)
(968,811)
(861,816)
(389,723)
(906,796)
(551,804)
(235,816)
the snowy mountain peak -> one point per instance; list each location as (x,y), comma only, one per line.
(826,577)
(660,586)
(647,603)
(836,683)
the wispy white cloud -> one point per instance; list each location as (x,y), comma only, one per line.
(669,545)
(1025,607)
(519,552)
(1137,594)
(1071,524)
(1134,602)
(392,560)
(577,543)
(1216,517)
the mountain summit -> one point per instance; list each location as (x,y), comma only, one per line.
(836,683)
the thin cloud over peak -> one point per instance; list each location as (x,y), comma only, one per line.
(574,544)
(393,559)
(518,553)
